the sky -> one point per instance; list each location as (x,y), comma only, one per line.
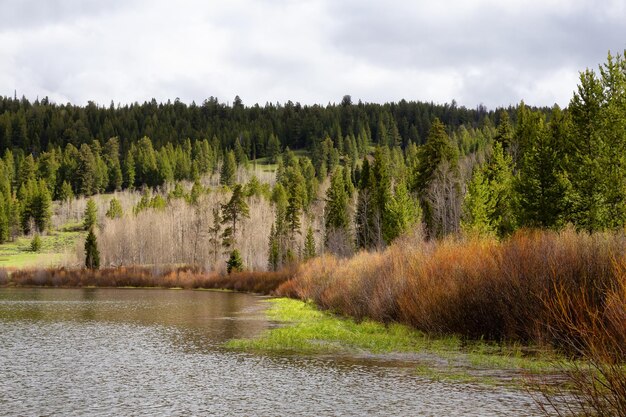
(490,52)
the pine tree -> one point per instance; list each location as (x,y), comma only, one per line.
(26,171)
(232,213)
(92,255)
(273,255)
(402,212)
(4,220)
(337,202)
(273,148)
(229,169)
(309,245)
(115,210)
(234,263)
(541,183)
(66,194)
(477,207)
(504,132)
(42,206)
(498,173)
(129,170)
(35,243)
(91,215)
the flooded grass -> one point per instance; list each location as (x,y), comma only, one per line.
(303,329)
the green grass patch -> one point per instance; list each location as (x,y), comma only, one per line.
(302,328)
(305,329)
(18,254)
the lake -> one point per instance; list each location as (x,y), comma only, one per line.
(70,352)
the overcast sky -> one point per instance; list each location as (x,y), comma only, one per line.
(494,52)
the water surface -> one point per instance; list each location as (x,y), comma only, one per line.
(159,352)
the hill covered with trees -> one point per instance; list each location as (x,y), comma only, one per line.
(362,174)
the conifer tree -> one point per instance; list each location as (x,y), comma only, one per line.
(504,132)
(477,207)
(115,210)
(309,245)
(232,213)
(91,215)
(129,170)
(273,256)
(92,255)
(229,169)
(402,212)
(234,263)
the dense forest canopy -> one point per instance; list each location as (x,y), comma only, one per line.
(40,125)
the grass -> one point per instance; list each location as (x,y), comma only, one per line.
(17,254)
(304,329)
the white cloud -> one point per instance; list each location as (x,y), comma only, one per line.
(484,51)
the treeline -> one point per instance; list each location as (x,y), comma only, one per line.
(41,125)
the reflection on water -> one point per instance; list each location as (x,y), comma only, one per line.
(158,352)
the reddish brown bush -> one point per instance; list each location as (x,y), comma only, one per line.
(180,277)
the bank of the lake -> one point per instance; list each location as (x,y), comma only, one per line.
(301,328)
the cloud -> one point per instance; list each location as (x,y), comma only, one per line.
(311,51)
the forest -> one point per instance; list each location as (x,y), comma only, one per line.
(339,178)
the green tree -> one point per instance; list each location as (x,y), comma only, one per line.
(228,173)
(42,206)
(232,213)
(273,148)
(92,255)
(337,203)
(86,173)
(234,263)
(115,210)
(309,245)
(478,207)
(402,212)
(129,170)
(35,243)
(91,215)
(504,132)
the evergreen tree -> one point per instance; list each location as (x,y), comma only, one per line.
(35,243)
(402,212)
(232,213)
(234,263)
(41,206)
(4,220)
(87,183)
(504,132)
(273,148)
(91,215)
(541,182)
(115,210)
(273,255)
(309,245)
(92,255)
(66,194)
(129,170)
(478,207)
(229,169)
(337,203)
